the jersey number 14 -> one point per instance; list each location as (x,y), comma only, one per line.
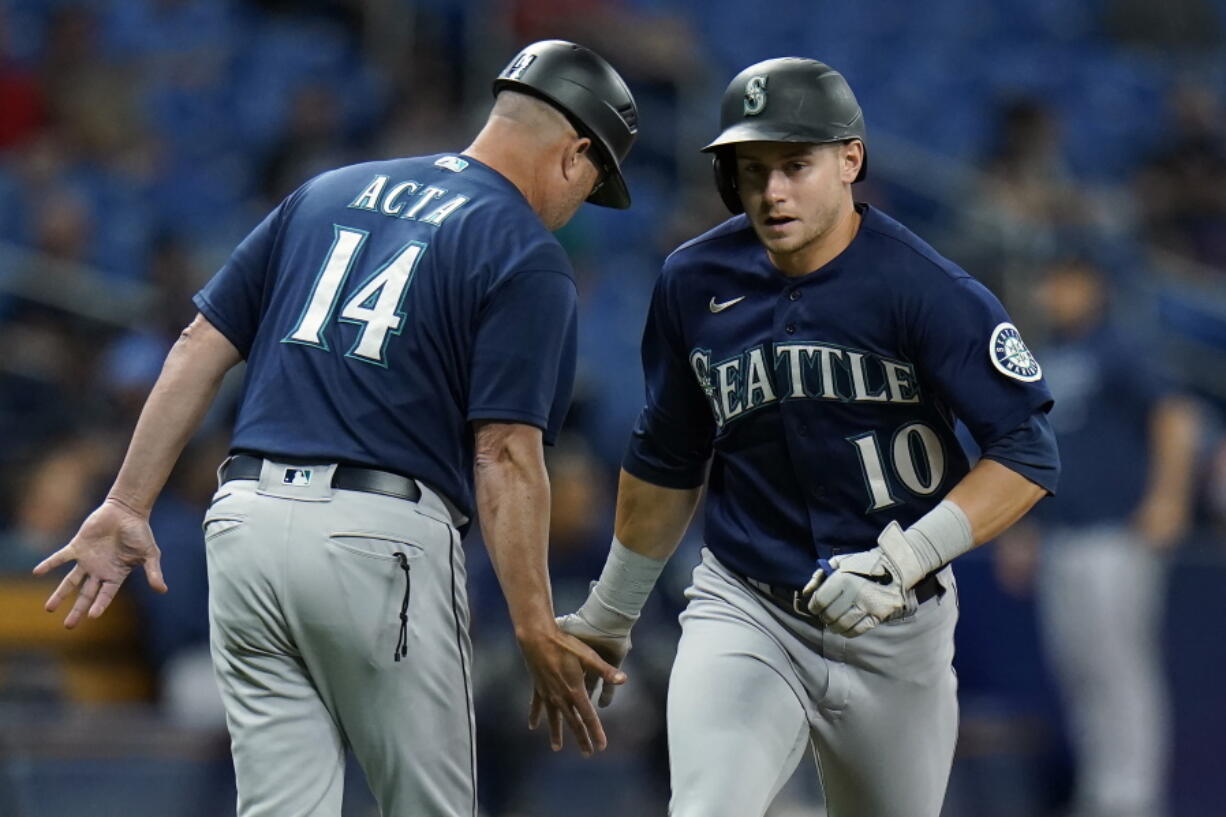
(375,307)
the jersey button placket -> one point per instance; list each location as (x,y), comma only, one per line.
(794,295)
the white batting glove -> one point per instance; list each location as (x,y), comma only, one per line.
(605,630)
(865,588)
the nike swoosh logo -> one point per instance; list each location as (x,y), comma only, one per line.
(717,307)
(882,578)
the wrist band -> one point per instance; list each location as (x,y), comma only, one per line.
(940,536)
(627,579)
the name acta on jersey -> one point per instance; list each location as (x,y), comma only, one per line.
(397,201)
(815,371)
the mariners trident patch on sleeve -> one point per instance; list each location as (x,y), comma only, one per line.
(1010,355)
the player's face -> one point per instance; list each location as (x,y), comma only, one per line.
(795,193)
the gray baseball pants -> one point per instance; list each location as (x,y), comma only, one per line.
(753,686)
(306,589)
(1101,594)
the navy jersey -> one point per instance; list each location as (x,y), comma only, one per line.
(828,401)
(384,306)
(1106,390)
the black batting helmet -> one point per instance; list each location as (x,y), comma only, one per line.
(583,86)
(789,99)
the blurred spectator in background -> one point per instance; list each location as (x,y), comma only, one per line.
(21,96)
(1182,189)
(54,491)
(1127,444)
(49,358)
(63,226)
(656,43)
(312,143)
(1025,198)
(131,361)
(92,98)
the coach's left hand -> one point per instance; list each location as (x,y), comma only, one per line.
(112,540)
(865,588)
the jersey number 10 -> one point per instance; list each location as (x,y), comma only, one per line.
(375,307)
(919,461)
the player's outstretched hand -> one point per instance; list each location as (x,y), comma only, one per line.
(864,589)
(611,648)
(560,665)
(112,540)
(607,631)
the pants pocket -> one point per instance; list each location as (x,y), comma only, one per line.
(375,573)
(220,525)
(223,516)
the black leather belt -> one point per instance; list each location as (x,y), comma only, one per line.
(791,601)
(344,478)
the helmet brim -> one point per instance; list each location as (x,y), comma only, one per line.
(755,132)
(612,192)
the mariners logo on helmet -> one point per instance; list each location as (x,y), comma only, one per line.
(755,95)
(516,69)
(1010,355)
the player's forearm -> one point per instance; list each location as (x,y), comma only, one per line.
(980,507)
(189,381)
(1174,426)
(993,497)
(652,519)
(512,489)
(650,522)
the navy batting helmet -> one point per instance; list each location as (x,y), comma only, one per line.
(583,86)
(789,99)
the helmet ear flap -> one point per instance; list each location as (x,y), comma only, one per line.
(725,180)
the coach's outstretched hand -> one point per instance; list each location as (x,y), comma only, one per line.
(560,665)
(112,540)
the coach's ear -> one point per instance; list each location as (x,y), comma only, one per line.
(575,156)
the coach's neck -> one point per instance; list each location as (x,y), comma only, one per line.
(524,139)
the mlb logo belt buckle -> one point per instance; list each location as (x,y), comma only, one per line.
(300,477)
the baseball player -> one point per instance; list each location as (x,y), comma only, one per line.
(409,332)
(806,361)
(1128,440)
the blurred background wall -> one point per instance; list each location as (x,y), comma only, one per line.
(141,139)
